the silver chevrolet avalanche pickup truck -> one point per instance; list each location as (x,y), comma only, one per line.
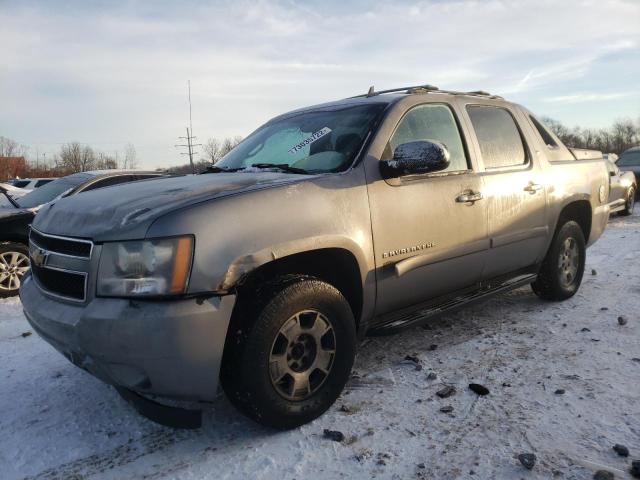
(328,223)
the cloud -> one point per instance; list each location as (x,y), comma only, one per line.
(116,71)
(592,97)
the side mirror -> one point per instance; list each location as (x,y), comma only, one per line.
(417,157)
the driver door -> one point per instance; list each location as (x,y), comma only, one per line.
(428,241)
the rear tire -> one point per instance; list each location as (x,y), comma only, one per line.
(563,267)
(289,355)
(14,263)
(630,204)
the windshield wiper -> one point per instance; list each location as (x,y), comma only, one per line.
(280,166)
(216,169)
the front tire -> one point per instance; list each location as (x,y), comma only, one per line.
(292,355)
(14,263)
(630,204)
(563,267)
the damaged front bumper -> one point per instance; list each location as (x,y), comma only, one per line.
(166,348)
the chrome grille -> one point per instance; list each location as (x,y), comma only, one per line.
(60,265)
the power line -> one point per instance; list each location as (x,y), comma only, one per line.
(189,138)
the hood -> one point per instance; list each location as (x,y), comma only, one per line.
(126,211)
(12,213)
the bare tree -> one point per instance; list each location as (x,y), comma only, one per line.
(77,158)
(229,144)
(105,162)
(11,148)
(130,161)
(211,150)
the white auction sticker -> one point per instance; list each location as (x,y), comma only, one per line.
(309,140)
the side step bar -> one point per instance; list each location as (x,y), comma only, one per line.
(398,321)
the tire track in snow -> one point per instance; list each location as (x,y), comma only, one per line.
(122,455)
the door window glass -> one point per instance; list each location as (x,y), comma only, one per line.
(433,122)
(499,138)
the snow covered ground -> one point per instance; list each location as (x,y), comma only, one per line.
(57,421)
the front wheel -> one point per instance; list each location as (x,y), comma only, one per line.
(14,263)
(290,361)
(562,269)
(630,204)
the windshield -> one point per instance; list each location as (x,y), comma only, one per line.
(315,141)
(51,190)
(629,159)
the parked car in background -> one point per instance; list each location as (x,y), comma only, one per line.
(622,189)
(31,183)
(360,216)
(630,161)
(18,213)
(8,192)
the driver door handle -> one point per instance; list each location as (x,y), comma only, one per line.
(533,188)
(470,197)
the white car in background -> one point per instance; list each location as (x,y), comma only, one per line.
(13,192)
(30,183)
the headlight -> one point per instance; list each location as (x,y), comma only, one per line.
(145,268)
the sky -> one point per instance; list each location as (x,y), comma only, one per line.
(108,73)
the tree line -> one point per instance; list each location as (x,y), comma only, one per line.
(623,134)
(76,157)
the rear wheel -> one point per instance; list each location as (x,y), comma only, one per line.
(14,263)
(562,269)
(293,353)
(630,204)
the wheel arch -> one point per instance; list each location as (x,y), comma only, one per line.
(335,265)
(580,211)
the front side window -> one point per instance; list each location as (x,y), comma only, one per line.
(499,138)
(20,183)
(316,141)
(432,122)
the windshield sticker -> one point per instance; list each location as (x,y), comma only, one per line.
(310,140)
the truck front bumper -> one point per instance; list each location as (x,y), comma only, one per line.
(167,348)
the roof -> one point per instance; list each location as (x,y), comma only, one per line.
(632,149)
(115,171)
(388,96)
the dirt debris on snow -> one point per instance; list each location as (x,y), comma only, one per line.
(80,428)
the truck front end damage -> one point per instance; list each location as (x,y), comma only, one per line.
(168,347)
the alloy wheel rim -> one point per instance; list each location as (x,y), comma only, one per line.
(13,266)
(568,262)
(302,355)
(632,201)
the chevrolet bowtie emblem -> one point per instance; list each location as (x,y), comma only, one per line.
(38,256)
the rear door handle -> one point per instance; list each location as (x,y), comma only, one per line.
(469,197)
(533,188)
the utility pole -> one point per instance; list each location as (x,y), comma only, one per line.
(189,138)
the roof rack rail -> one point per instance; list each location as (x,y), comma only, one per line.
(426,89)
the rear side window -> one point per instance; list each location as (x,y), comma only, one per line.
(39,183)
(544,133)
(434,122)
(499,138)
